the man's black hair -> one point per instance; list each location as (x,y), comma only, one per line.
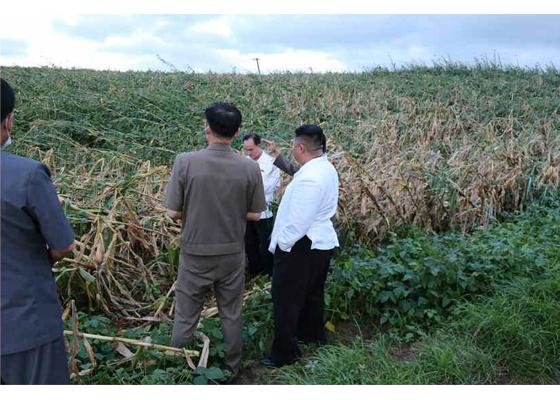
(7,99)
(313,136)
(224,119)
(256,138)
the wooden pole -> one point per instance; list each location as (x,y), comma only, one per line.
(258,66)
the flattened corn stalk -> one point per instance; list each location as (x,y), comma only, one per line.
(140,343)
(396,154)
(126,243)
(78,336)
(405,155)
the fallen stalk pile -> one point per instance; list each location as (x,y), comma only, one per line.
(433,149)
(120,342)
(126,256)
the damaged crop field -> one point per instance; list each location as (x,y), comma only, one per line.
(449,219)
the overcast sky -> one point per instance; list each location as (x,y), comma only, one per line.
(281,42)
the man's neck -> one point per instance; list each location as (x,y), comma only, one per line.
(310,157)
(218,140)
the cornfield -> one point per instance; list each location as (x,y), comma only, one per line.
(438,148)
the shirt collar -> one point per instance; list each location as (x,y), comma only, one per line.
(264,157)
(312,162)
(219,147)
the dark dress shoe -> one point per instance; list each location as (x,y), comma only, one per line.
(269,362)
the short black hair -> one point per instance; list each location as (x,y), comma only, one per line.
(224,119)
(7,99)
(256,138)
(313,136)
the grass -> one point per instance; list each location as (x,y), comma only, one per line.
(445,361)
(520,327)
(510,337)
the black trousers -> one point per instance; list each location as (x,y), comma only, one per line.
(298,285)
(257,240)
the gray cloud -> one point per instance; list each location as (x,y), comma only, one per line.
(359,30)
(358,41)
(97,27)
(100,27)
(512,30)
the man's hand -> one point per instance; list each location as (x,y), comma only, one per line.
(272,148)
(174,215)
(57,255)
(251,216)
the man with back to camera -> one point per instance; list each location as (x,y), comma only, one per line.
(302,241)
(214,192)
(257,236)
(34,234)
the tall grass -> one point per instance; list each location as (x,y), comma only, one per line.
(520,328)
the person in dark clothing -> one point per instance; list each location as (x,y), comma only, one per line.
(34,234)
(257,235)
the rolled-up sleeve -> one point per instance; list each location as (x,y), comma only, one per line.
(281,163)
(174,193)
(45,207)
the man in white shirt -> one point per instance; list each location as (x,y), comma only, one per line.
(302,241)
(257,234)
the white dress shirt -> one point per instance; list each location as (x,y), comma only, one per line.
(271,181)
(307,207)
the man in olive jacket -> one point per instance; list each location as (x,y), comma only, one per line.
(214,192)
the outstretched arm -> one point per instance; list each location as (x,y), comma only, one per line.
(280,161)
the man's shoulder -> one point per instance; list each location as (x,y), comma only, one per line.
(268,160)
(187,156)
(318,171)
(329,169)
(324,164)
(19,162)
(331,166)
(20,171)
(239,160)
(247,166)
